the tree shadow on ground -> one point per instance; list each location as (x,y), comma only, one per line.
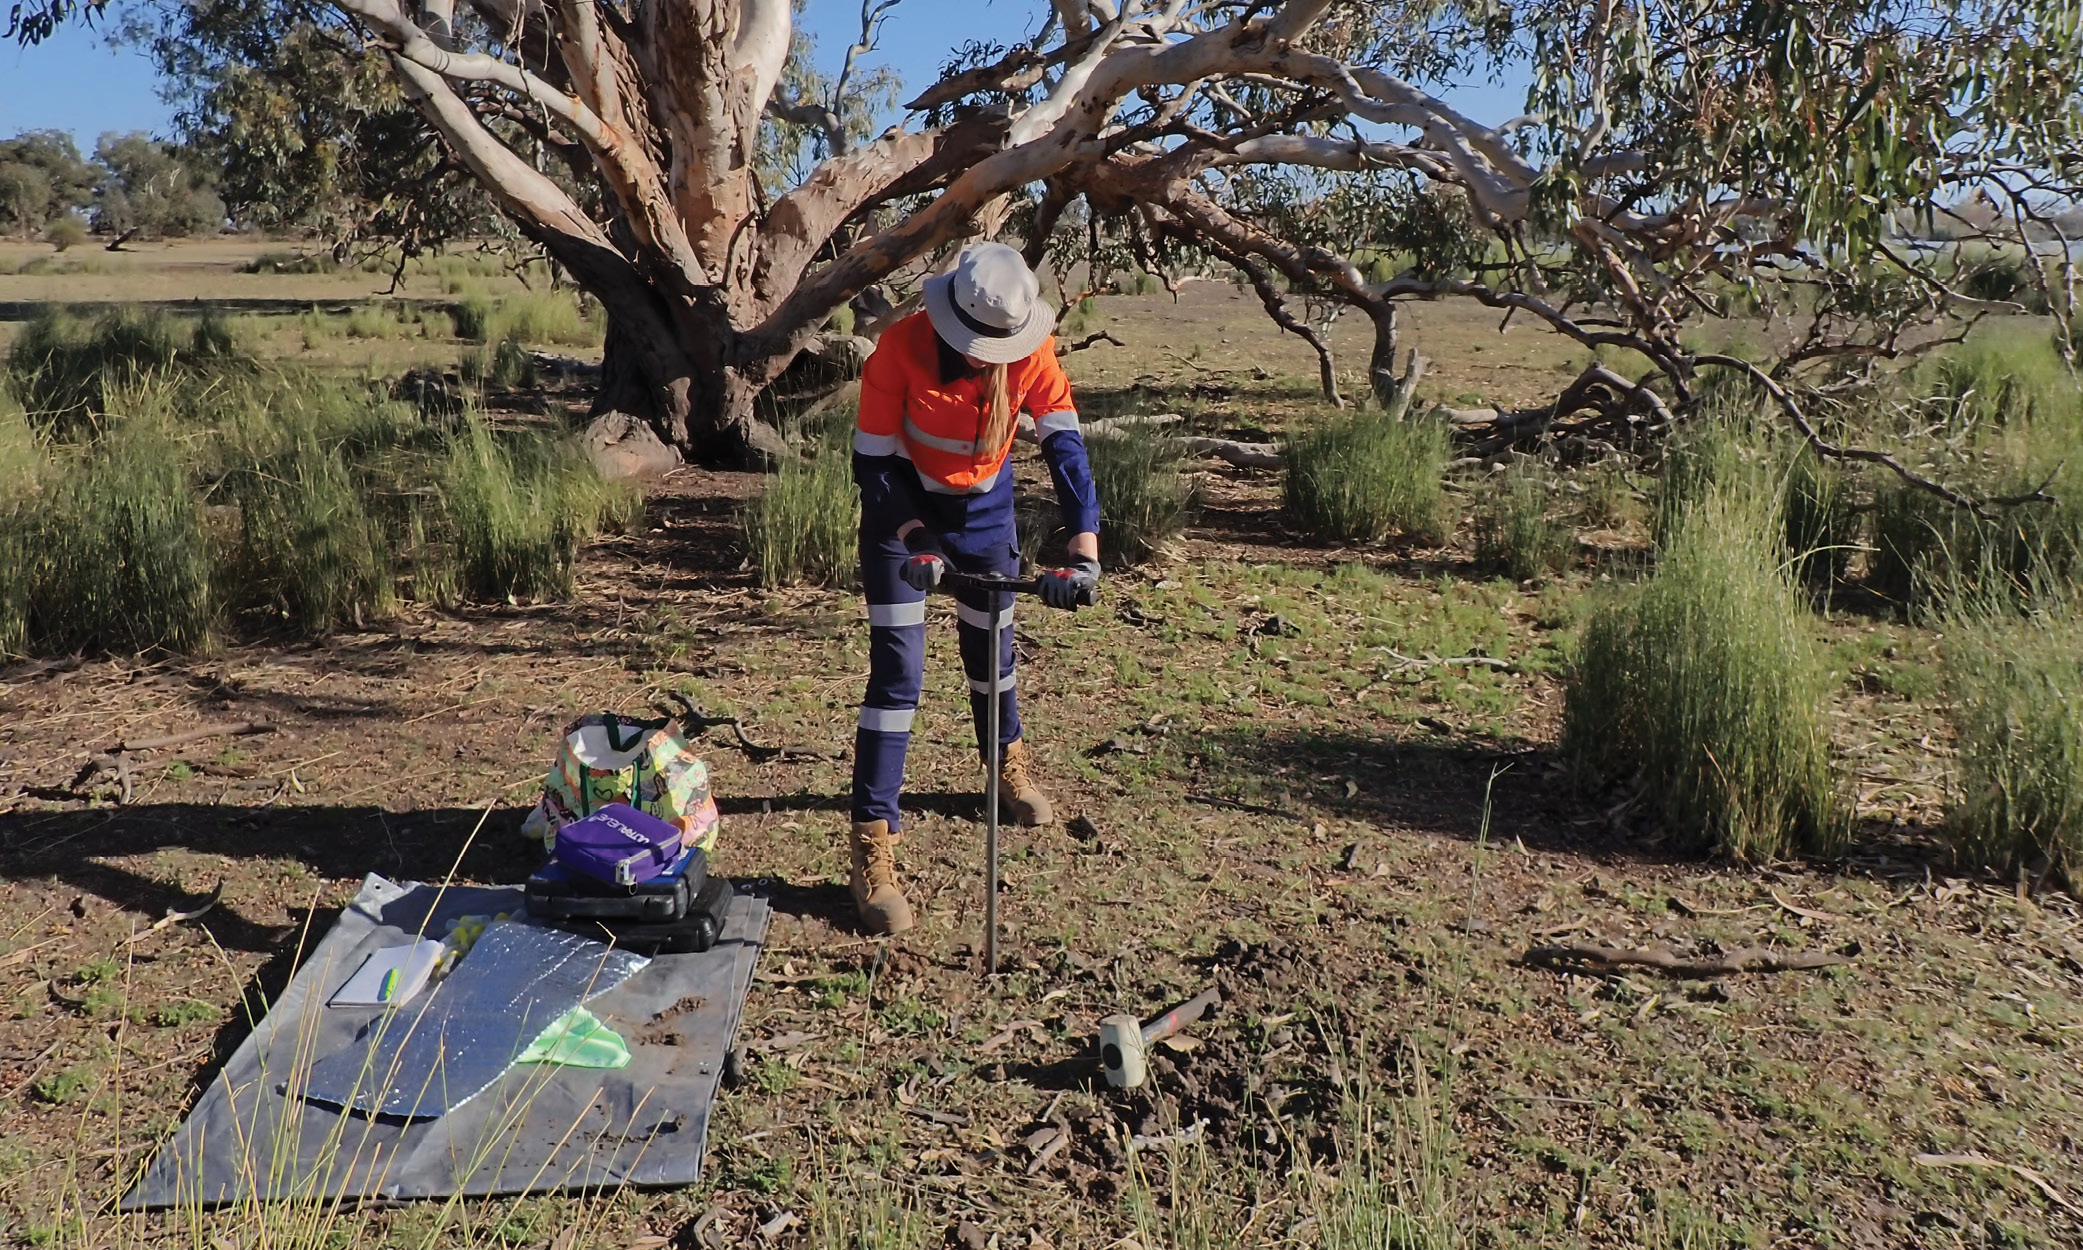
(1436,783)
(75,847)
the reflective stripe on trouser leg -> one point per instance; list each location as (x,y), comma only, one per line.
(973,631)
(896,667)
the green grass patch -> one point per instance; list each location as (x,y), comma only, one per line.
(1359,477)
(1707,681)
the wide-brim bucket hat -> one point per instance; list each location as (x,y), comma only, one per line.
(989,307)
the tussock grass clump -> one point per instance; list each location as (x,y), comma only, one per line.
(2019,419)
(550,316)
(1145,496)
(320,477)
(518,508)
(1705,679)
(507,366)
(804,528)
(1514,533)
(108,554)
(65,368)
(1822,525)
(2017,705)
(313,504)
(1359,477)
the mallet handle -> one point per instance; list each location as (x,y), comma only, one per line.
(1181,1016)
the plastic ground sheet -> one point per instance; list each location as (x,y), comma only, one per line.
(256,1135)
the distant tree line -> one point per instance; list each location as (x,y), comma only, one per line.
(132,186)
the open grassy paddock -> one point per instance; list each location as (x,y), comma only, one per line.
(1349,783)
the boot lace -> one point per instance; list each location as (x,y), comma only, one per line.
(1012,772)
(881,860)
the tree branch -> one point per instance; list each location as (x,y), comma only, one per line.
(1824,447)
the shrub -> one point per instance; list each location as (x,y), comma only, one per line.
(1145,497)
(1513,532)
(65,233)
(518,506)
(1706,680)
(1358,477)
(804,528)
(2017,706)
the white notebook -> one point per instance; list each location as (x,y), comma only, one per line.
(389,976)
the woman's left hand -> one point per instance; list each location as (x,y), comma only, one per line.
(1079,584)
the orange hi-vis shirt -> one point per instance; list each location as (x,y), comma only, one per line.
(907,410)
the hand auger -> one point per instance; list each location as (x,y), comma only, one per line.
(995,588)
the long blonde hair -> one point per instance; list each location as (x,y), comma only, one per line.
(996,414)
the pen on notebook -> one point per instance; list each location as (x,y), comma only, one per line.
(390,986)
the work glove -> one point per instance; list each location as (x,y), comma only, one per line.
(922,569)
(1072,587)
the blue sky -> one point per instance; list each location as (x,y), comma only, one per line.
(76,82)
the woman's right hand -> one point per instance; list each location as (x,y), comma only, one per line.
(928,561)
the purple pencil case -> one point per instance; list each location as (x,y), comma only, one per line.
(618,845)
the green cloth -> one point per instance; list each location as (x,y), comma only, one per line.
(578,1040)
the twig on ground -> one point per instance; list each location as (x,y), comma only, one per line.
(697,722)
(197,734)
(174,916)
(1975,1160)
(1803,911)
(1411,664)
(1213,800)
(1096,337)
(1571,958)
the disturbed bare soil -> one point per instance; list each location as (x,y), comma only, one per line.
(1275,794)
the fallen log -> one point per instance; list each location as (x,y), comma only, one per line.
(1595,959)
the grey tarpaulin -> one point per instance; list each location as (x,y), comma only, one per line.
(429,1057)
(538,1127)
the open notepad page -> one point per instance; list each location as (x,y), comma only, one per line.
(389,976)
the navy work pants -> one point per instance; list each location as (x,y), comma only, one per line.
(979,535)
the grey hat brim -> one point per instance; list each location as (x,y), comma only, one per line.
(1017,346)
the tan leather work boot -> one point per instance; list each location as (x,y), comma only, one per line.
(876,894)
(1018,796)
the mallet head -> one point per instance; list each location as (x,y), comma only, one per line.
(1121,1051)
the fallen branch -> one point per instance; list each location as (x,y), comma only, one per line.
(1803,911)
(1108,427)
(2019,1170)
(1591,959)
(186,736)
(1091,340)
(1412,664)
(1242,455)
